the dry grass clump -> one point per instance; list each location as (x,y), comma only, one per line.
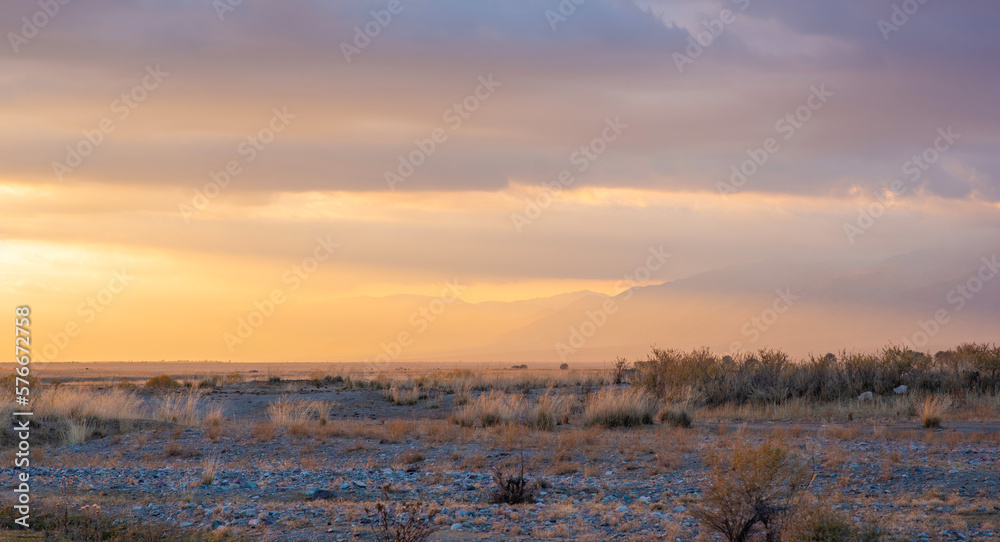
(209,469)
(163,381)
(213,416)
(676,416)
(62,402)
(933,410)
(551,410)
(491,408)
(181,408)
(77,432)
(287,412)
(613,407)
(500,408)
(402,396)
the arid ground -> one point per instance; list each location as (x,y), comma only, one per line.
(306,453)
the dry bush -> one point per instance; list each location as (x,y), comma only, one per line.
(287,412)
(613,407)
(819,522)
(511,488)
(769,376)
(751,491)
(933,410)
(234,377)
(406,522)
(163,381)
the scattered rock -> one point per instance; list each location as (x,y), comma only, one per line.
(866,396)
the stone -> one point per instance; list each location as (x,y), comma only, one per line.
(622,508)
(322,494)
(456,526)
(679,509)
(866,396)
(900,390)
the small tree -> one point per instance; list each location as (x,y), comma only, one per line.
(619,369)
(564,367)
(750,491)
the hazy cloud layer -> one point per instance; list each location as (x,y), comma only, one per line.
(610,58)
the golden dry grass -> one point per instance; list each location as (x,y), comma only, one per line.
(288,412)
(613,407)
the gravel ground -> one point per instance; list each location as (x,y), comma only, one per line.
(638,484)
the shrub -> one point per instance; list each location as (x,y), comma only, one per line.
(564,366)
(234,377)
(210,382)
(675,416)
(407,524)
(818,522)
(162,381)
(511,488)
(612,407)
(619,369)
(750,491)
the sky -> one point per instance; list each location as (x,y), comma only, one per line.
(167,169)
